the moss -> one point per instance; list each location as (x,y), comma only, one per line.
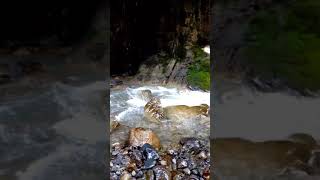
(199,72)
(285,44)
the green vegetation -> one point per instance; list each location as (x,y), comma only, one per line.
(199,72)
(285,43)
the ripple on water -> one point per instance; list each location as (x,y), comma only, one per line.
(128,108)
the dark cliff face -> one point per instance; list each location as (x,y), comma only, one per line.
(140,28)
(27,23)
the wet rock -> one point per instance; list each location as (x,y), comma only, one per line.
(114,125)
(153,110)
(182,164)
(113,176)
(161,173)
(150,175)
(126,176)
(178,176)
(314,162)
(139,174)
(187,171)
(140,136)
(163,163)
(202,155)
(195,171)
(182,112)
(137,156)
(133,173)
(146,95)
(194,177)
(191,144)
(150,156)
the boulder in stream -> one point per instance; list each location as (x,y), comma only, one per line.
(140,136)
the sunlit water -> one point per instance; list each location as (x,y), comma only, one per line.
(127,107)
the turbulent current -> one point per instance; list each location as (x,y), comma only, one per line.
(127,107)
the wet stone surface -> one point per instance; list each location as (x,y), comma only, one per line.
(190,160)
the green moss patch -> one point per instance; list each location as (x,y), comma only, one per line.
(285,43)
(199,72)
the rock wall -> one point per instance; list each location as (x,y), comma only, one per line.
(139,30)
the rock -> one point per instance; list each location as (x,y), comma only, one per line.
(153,110)
(150,156)
(187,171)
(202,155)
(163,163)
(191,144)
(114,125)
(140,136)
(303,138)
(137,156)
(146,95)
(119,135)
(194,177)
(113,176)
(161,173)
(125,176)
(150,175)
(314,162)
(182,112)
(178,176)
(182,164)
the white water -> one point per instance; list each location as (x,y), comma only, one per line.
(127,107)
(131,101)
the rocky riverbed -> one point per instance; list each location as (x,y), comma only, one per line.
(173,148)
(190,160)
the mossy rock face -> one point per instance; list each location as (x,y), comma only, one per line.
(284,43)
(199,72)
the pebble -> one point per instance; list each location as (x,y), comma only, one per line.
(133,173)
(187,171)
(150,175)
(145,162)
(163,163)
(202,155)
(182,164)
(161,173)
(125,176)
(174,161)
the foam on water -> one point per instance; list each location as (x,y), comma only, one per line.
(132,103)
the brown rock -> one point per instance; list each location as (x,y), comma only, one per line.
(125,176)
(139,136)
(114,125)
(181,112)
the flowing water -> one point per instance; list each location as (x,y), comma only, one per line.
(52,126)
(127,107)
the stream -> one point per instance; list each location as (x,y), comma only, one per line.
(127,107)
(52,125)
